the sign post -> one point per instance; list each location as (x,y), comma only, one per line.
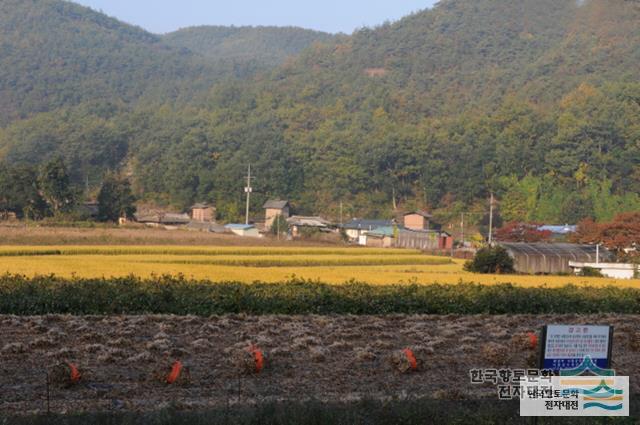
(571,352)
(567,347)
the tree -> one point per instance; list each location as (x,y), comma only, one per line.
(491,259)
(115,199)
(19,192)
(55,186)
(521,232)
(620,235)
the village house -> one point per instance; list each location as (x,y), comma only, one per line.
(166,220)
(357,227)
(612,270)
(297,223)
(203,212)
(417,220)
(273,209)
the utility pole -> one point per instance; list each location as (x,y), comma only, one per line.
(248,191)
(340,213)
(393,196)
(462,228)
(491,220)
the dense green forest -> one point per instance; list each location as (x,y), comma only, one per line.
(267,47)
(537,101)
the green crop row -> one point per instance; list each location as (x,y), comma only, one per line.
(106,250)
(178,295)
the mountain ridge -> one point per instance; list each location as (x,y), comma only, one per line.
(533,100)
(268,45)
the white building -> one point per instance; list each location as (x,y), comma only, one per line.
(612,270)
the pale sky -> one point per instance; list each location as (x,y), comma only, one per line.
(160,16)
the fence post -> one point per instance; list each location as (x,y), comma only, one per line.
(48,395)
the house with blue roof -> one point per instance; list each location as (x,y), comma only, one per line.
(357,227)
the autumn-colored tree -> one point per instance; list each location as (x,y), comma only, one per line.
(522,232)
(587,232)
(618,235)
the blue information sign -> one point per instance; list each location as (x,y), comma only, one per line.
(567,346)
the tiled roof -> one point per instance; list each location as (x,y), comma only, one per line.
(275,204)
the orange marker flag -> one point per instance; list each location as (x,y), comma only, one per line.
(258,357)
(412,358)
(75,373)
(175,372)
(533,340)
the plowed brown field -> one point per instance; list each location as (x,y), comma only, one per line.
(124,359)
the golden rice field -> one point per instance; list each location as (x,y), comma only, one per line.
(267,264)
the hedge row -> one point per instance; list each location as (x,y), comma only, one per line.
(178,295)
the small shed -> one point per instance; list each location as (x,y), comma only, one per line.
(273,209)
(381,237)
(551,258)
(417,220)
(203,212)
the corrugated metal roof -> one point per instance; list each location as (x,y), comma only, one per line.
(381,231)
(239,226)
(297,220)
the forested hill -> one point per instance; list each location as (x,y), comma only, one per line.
(56,53)
(267,46)
(537,101)
(466,53)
